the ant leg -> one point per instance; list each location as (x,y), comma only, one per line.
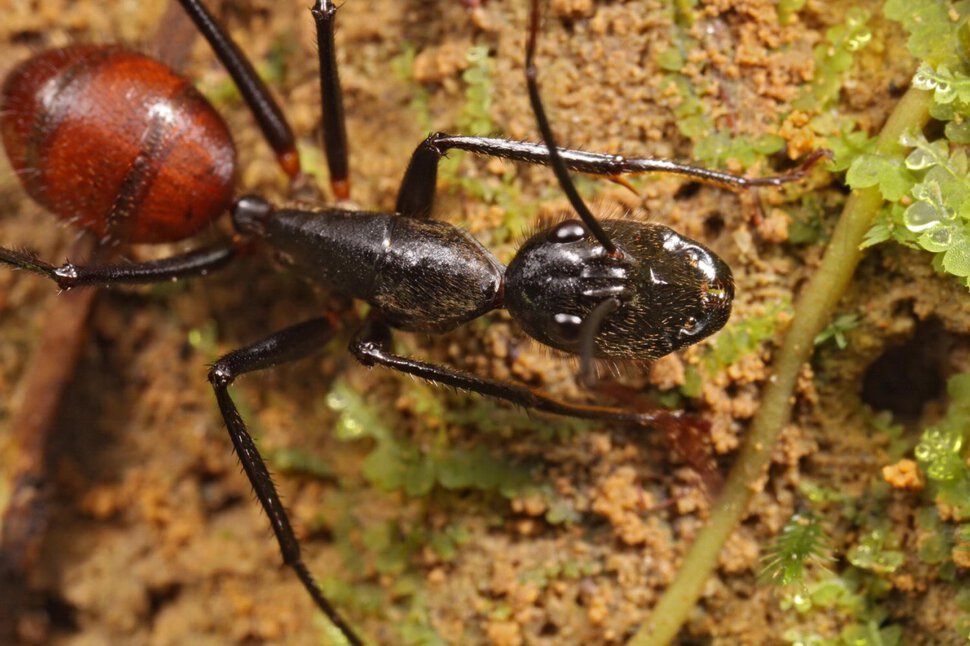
(415,197)
(416,194)
(261,103)
(68,275)
(332,101)
(372,346)
(293,343)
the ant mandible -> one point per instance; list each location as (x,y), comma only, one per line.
(598,289)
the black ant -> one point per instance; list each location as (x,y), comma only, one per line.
(610,289)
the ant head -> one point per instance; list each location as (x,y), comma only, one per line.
(670,291)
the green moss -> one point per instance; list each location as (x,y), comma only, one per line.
(685,12)
(928,200)
(713,147)
(485,416)
(876,551)
(787,9)
(670,59)
(963,620)
(900,444)
(295,460)
(801,542)
(818,495)
(475,116)
(858,598)
(561,569)
(843,138)
(743,337)
(833,61)
(942,451)
(836,330)
(402,66)
(739,338)
(386,550)
(395,464)
(934,541)
(446,541)
(807,223)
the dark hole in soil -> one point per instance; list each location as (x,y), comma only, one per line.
(62,614)
(713,225)
(158,598)
(908,376)
(687,191)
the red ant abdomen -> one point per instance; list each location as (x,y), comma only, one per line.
(117,143)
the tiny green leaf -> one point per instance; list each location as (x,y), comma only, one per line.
(939,450)
(864,171)
(872,554)
(878,233)
(870,170)
(956,260)
(670,59)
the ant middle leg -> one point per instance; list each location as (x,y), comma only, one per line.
(293,343)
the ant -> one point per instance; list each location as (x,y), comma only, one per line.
(598,289)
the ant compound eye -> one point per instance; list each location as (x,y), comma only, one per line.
(691,327)
(570,231)
(568,325)
(700,259)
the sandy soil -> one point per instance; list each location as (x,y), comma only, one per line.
(154,537)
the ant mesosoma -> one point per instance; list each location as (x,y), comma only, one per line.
(612,289)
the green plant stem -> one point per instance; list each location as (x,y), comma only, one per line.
(812,313)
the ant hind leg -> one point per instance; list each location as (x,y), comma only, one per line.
(331,99)
(272,122)
(68,275)
(293,343)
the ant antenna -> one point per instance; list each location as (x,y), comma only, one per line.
(555,160)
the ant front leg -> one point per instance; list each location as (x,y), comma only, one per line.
(372,346)
(416,195)
(287,345)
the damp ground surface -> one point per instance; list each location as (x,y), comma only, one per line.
(431,516)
